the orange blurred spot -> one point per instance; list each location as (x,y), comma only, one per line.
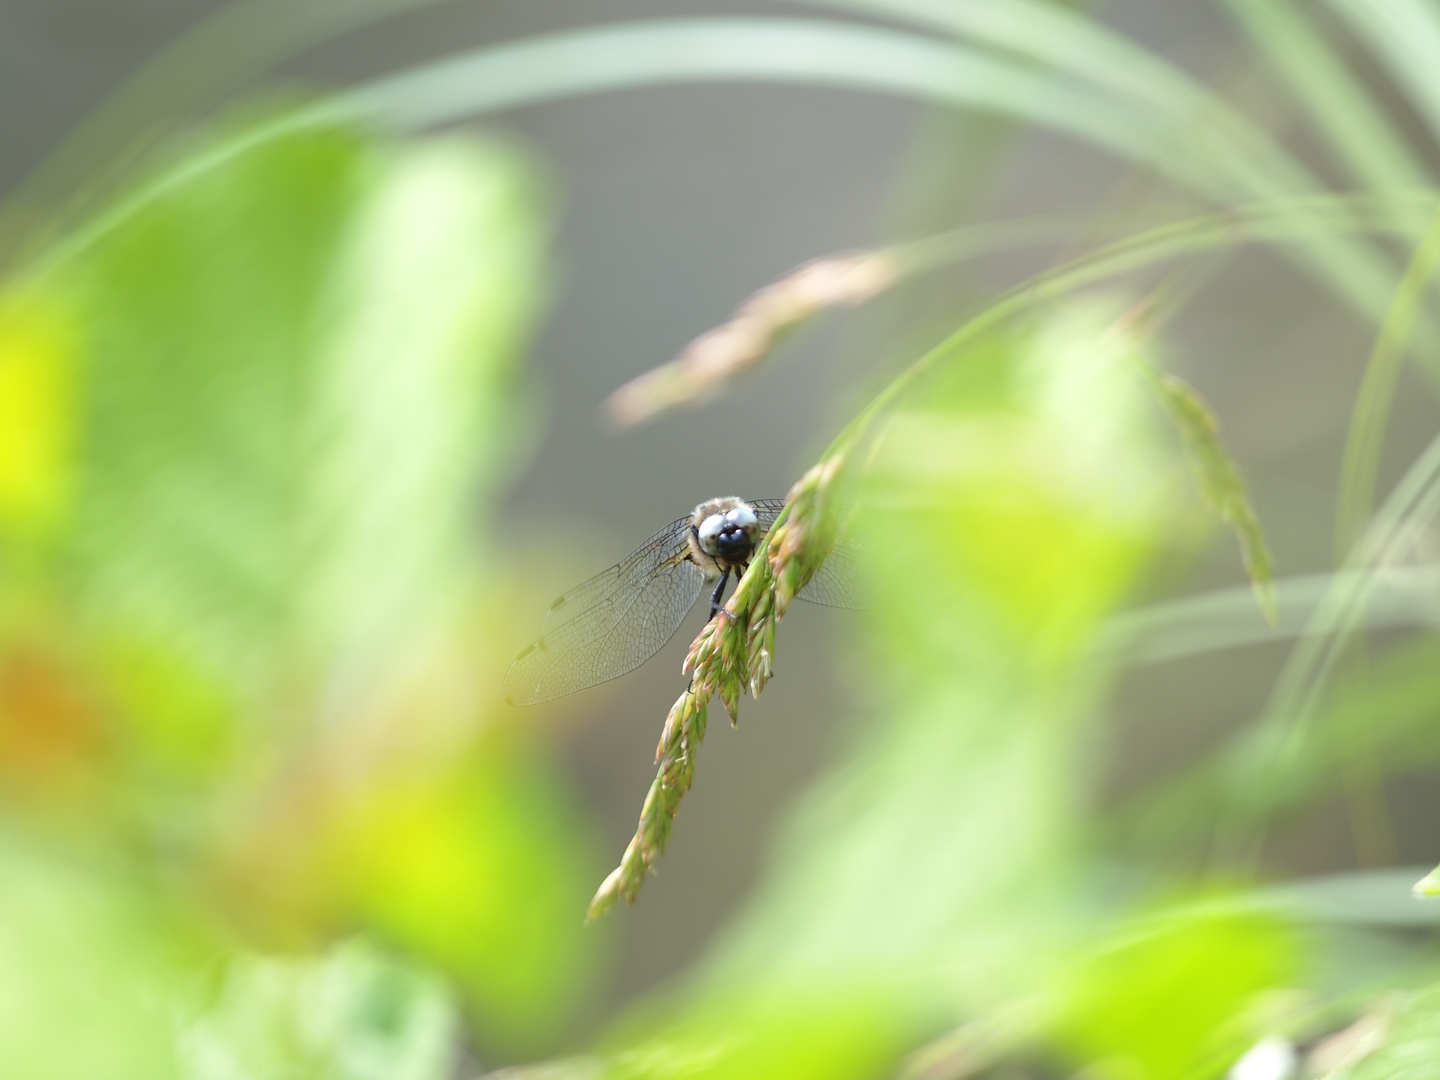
(47,728)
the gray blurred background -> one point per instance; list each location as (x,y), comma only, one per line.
(671,206)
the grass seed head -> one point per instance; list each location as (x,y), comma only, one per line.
(718,356)
(733,652)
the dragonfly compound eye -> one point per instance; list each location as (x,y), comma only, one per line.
(742,516)
(710,529)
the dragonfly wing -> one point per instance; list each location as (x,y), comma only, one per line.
(767,510)
(837,582)
(610,624)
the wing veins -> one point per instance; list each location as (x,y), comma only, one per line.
(625,567)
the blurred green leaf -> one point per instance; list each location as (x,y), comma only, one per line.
(1191,134)
(1141,107)
(830,1034)
(291,386)
(1167,1001)
(1371,413)
(1228,619)
(479,869)
(1411,1042)
(1009,440)
(1404,36)
(662,51)
(1361,134)
(354,1014)
(794,50)
(92,970)
(1361,897)
(291,382)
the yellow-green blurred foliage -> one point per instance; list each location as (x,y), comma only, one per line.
(1169,998)
(95,969)
(837,1033)
(247,668)
(38,416)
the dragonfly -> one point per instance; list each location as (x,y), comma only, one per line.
(611,624)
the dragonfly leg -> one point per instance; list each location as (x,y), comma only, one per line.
(718,593)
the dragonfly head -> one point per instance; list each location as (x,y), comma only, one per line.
(729,534)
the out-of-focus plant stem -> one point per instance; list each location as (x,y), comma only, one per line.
(1372,404)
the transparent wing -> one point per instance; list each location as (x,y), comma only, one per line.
(610,624)
(837,582)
